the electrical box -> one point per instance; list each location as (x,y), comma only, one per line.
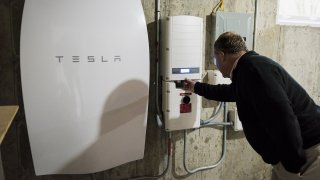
(234,118)
(241,23)
(181,57)
(215,77)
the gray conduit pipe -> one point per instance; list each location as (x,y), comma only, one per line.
(157,20)
(224,138)
(213,116)
(169,152)
(255,24)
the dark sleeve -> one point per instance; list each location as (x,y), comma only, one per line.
(220,92)
(267,95)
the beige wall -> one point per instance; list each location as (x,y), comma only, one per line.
(296,48)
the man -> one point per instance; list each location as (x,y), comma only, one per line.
(280,121)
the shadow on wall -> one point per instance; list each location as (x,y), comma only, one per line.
(112,119)
(120,108)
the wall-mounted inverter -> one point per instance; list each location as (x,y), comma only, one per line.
(181,57)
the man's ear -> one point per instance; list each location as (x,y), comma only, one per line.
(221,55)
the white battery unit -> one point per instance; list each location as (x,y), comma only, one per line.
(241,23)
(181,109)
(85,82)
(181,47)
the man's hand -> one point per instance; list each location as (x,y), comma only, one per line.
(188,85)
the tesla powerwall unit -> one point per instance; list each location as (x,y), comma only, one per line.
(85,81)
(181,48)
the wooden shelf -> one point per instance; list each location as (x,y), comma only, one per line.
(7,114)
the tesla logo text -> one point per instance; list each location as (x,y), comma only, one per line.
(90,59)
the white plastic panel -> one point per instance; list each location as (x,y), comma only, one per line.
(241,23)
(181,47)
(85,80)
(172,100)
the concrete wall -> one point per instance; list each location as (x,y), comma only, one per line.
(296,48)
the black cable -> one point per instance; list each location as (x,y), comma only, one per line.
(93,177)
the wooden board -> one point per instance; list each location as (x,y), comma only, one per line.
(7,114)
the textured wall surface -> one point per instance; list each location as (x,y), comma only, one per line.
(296,48)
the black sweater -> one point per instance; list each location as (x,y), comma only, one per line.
(279,118)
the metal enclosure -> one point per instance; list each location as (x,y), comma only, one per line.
(241,23)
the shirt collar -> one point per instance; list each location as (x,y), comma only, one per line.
(234,66)
(238,63)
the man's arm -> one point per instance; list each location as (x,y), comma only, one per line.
(220,92)
(223,93)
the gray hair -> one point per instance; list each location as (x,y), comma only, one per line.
(230,43)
